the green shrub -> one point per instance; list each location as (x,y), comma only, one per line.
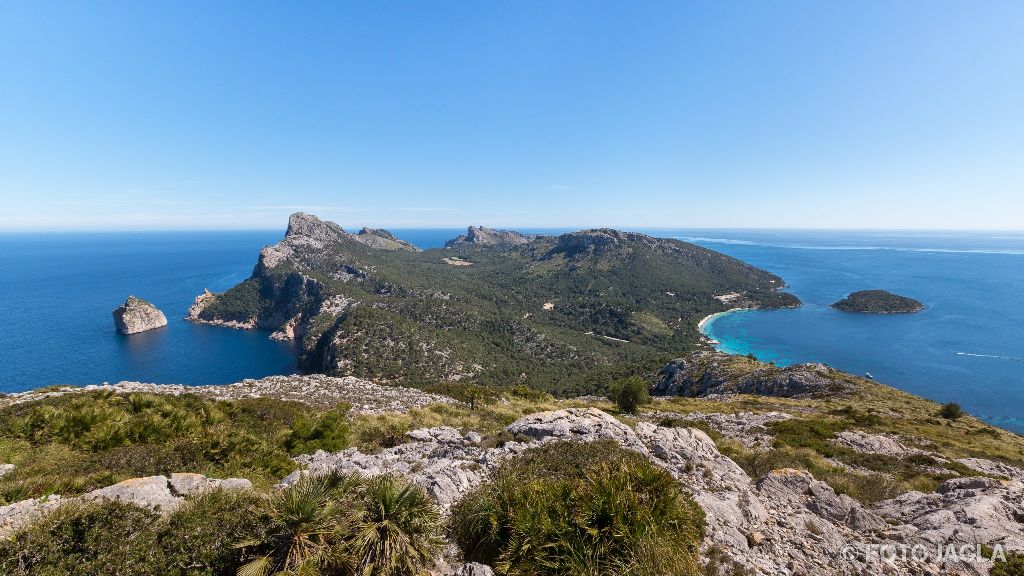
(629,394)
(951,411)
(1012,566)
(568,508)
(304,529)
(76,443)
(337,524)
(199,538)
(325,431)
(398,533)
(471,394)
(86,539)
(806,433)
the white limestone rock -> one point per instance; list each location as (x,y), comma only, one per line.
(137,315)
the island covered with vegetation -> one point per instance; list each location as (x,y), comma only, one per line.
(878,302)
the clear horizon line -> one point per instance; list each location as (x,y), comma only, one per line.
(500,227)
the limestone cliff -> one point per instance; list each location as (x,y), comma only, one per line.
(137,315)
(483,236)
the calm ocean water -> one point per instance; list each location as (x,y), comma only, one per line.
(967,346)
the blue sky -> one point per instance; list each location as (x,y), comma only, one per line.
(146,115)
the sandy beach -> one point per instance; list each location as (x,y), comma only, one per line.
(711,317)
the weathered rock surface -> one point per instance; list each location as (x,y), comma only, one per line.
(382,240)
(155,492)
(137,315)
(709,373)
(994,468)
(6,469)
(784,523)
(18,514)
(969,510)
(483,236)
(875,444)
(747,428)
(314,389)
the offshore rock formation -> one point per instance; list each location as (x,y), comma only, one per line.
(715,373)
(878,302)
(137,315)
(483,236)
(786,522)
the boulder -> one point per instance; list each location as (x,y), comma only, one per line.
(875,444)
(147,492)
(19,514)
(137,315)
(189,484)
(578,424)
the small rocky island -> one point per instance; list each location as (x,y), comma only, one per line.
(878,302)
(137,315)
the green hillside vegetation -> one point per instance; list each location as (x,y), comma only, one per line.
(565,314)
(331,524)
(78,442)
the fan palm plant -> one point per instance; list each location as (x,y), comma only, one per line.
(399,531)
(307,530)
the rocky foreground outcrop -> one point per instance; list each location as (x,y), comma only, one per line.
(137,315)
(160,493)
(714,373)
(786,522)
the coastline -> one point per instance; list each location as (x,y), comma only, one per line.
(710,318)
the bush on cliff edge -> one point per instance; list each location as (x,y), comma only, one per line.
(569,508)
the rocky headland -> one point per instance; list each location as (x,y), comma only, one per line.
(492,303)
(137,315)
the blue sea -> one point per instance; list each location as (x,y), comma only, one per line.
(967,346)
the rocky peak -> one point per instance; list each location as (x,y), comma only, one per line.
(383,240)
(598,240)
(309,226)
(137,315)
(483,236)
